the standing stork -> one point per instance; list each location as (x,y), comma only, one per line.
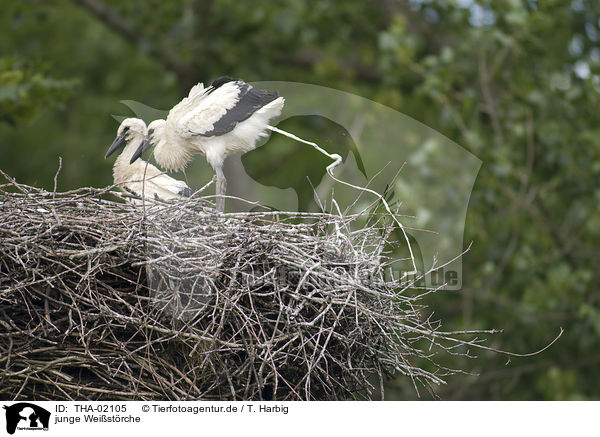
(141,178)
(228,116)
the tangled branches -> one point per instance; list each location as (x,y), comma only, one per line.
(100,299)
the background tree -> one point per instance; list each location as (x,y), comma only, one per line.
(514,82)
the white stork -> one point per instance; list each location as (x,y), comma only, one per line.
(228,116)
(141,178)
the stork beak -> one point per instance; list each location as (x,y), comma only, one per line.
(117,143)
(140,150)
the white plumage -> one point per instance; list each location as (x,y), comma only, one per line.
(227,117)
(141,178)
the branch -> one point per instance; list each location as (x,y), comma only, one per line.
(116,22)
(484,82)
(308,59)
(189,74)
(555,232)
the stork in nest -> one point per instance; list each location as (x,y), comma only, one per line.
(141,178)
(227,117)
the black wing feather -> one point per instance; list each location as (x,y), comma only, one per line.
(186,192)
(250,101)
(217,83)
(220,81)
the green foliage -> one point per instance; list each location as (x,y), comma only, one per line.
(514,82)
(24,92)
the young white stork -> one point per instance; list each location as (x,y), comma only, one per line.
(228,116)
(141,178)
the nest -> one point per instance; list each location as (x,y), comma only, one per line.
(104,300)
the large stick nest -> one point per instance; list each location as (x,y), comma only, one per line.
(101,299)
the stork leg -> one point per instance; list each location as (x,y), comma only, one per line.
(220,189)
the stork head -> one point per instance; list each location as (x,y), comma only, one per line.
(154,135)
(129,129)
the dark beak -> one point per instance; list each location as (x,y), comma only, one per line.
(117,144)
(140,150)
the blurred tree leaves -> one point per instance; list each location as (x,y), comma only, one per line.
(24,93)
(515,82)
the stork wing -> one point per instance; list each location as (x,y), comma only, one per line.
(196,90)
(187,104)
(250,101)
(167,187)
(156,184)
(201,112)
(221,108)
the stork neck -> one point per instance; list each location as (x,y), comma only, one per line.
(130,147)
(122,168)
(171,154)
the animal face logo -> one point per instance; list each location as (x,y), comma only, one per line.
(26,416)
(426,178)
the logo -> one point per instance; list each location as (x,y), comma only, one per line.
(26,416)
(426,178)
